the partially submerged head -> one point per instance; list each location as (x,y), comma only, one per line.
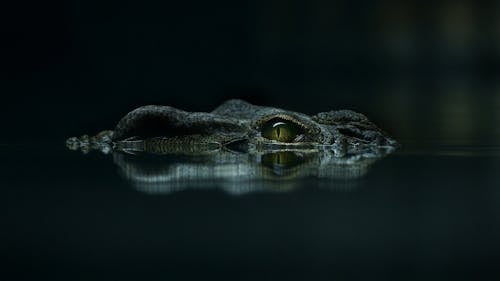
(240,126)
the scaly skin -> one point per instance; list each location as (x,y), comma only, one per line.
(230,147)
(237,124)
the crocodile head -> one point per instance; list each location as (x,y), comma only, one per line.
(239,126)
(237,141)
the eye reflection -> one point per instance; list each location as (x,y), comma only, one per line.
(281,130)
(282,160)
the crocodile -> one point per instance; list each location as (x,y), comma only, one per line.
(239,126)
(257,147)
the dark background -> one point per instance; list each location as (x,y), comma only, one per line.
(425,71)
(421,70)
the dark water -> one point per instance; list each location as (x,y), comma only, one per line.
(423,213)
(427,74)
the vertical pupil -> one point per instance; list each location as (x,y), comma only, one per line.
(278,131)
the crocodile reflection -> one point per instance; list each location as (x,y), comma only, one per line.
(239,173)
(236,145)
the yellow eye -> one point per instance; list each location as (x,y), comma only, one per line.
(281,130)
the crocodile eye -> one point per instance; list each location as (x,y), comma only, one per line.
(281,130)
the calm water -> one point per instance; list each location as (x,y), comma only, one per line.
(424,213)
(428,75)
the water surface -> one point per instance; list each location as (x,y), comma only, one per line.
(426,212)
